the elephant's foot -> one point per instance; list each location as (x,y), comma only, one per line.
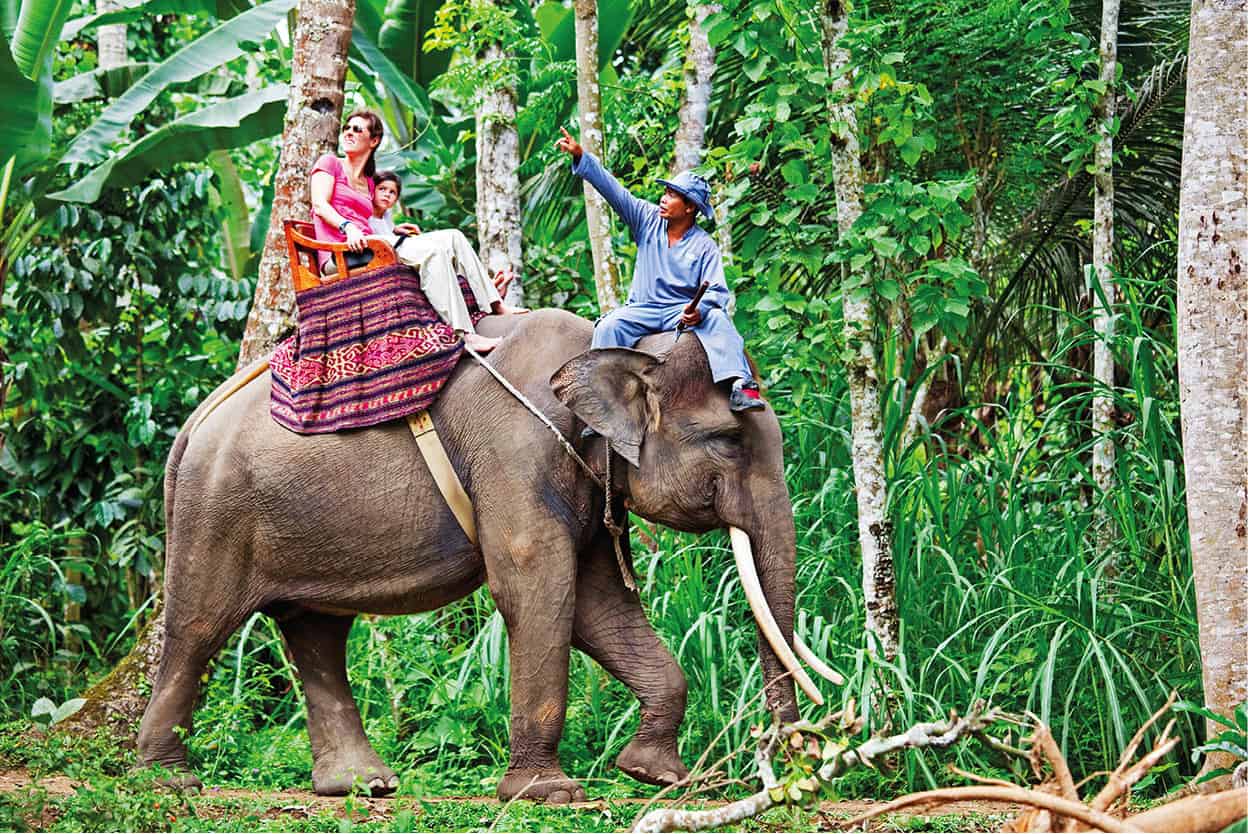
(340,775)
(654,763)
(550,785)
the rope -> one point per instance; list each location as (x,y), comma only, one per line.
(616,530)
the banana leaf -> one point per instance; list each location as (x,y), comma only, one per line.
(392,79)
(260,223)
(26,129)
(38,29)
(402,39)
(220,9)
(558,26)
(229,124)
(207,52)
(8,18)
(369,16)
(235,228)
(99,83)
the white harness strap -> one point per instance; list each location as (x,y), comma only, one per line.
(443,473)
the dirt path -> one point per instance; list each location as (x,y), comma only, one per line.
(218,803)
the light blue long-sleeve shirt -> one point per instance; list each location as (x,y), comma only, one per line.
(663,274)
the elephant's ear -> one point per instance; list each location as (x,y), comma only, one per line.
(608,388)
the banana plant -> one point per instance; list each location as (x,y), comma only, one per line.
(27,86)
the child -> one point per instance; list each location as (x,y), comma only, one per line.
(440,256)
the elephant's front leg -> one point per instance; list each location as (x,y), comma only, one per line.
(611,627)
(531,576)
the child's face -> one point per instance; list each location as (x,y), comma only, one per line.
(384,197)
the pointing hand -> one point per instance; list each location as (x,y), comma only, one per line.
(569,145)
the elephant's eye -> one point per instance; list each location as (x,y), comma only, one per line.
(725,441)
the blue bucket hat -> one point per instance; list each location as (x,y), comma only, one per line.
(689,185)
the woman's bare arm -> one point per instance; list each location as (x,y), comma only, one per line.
(322,192)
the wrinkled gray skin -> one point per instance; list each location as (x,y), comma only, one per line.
(314,530)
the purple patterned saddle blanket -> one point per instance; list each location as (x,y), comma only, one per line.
(369,349)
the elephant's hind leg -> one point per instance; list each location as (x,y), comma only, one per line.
(342,757)
(612,628)
(184,659)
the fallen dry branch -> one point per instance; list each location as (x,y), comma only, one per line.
(1213,812)
(1021,796)
(1054,805)
(927,734)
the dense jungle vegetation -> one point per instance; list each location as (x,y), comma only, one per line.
(130,262)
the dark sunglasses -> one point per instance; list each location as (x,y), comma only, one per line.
(355,129)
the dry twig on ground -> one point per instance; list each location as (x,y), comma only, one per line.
(1055,804)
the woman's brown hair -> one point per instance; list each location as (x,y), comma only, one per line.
(376,128)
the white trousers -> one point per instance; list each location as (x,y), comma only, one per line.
(441,256)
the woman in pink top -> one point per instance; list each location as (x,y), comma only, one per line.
(342,204)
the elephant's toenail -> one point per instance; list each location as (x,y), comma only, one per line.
(559,798)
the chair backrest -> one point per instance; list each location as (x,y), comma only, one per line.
(305,267)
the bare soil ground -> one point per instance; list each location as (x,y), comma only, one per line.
(220,803)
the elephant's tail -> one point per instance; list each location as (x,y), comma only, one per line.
(223,393)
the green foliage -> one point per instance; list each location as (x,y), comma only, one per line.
(119,316)
(1233,739)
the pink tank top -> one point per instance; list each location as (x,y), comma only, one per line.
(345,200)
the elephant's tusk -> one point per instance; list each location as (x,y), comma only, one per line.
(812,660)
(762,613)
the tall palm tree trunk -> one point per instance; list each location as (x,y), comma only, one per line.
(589,103)
(695,101)
(1213,344)
(322,35)
(498,179)
(313,114)
(875,536)
(1105,289)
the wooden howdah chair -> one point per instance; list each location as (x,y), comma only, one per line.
(304,267)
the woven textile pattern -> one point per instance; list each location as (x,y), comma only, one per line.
(369,349)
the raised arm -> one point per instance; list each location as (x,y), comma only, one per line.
(633,211)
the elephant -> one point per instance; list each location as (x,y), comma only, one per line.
(313,530)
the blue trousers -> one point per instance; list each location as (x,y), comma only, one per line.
(624,327)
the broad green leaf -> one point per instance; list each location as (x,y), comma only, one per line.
(235,228)
(129,14)
(38,30)
(402,39)
(99,83)
(26,129)
(228,124)
(392,78)
(558,27)
(210,50)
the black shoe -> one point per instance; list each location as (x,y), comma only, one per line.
(745,396)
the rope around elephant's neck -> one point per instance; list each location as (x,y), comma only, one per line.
(616,530)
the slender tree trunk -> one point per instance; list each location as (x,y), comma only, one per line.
(313,116)
(606,272)
(498,179)
(314,110)
(110,40)
(875,535)
(1213,345)
(695,101)
(1103,276)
